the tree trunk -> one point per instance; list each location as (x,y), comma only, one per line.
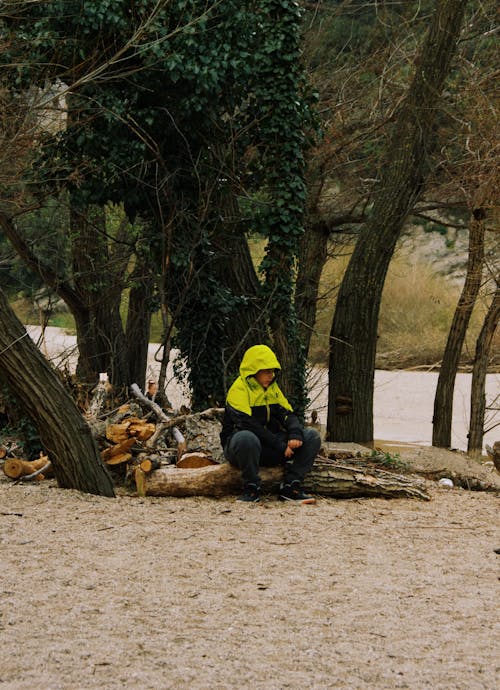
(138,328)
(312,258)
(98,282)
(326,478)
(477,399)
(313,252)
(353,334)
(443,400)
(93,299)
(66,437)
(235,270)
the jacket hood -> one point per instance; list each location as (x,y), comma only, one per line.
(246,392)
(256,358)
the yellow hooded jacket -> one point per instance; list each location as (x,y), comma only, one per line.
(249,406)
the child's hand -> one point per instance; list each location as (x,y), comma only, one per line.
(292,445)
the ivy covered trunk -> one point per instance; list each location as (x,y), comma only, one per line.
(282,116)
(235,270)
(65,436)
(353,336)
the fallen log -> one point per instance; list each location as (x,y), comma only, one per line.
(46,471)
(327,478)
(14,468)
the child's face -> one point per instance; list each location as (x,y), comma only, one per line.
(265,377)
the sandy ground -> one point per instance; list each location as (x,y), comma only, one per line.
(160,593)
(213,594)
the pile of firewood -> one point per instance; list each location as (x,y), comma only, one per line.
(139,437)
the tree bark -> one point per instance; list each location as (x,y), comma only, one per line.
(312,258)
(478,399)
(65,436)
(98,282)
(94,296)
(443,400)
(235,269)
(353,335)
(137,333)
(313,252)
(326,478)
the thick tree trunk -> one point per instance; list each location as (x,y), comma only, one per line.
(312,258)
(443,400)
(65,436)
(353,334)
(236,271)
(326,478)
(98,282)
(478,400)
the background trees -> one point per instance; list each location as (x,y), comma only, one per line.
(181,129)
(402,176)
(145,142)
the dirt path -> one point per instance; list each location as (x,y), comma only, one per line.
(199,593)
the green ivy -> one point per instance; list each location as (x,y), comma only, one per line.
(285,120)
(200,78)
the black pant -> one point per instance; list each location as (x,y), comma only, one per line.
(244,450)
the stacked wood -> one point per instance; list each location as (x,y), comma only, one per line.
(165,420)
(123,436)
(132,427)
(118,453)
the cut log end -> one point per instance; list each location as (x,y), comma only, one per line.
(193,460)
(15,468)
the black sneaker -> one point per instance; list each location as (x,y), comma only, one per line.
(251,494)
(294,492)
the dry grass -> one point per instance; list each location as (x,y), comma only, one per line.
(416,313)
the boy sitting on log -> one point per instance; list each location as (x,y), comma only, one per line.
(260,428)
